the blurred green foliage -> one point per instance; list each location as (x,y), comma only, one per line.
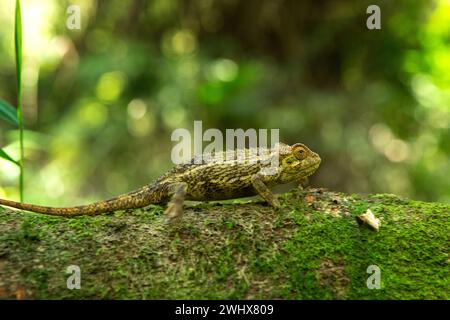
(100,103)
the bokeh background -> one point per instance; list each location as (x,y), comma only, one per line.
(100,103)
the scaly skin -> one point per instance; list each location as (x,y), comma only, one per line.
(225,175)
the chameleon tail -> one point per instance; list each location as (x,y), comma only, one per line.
(132,200)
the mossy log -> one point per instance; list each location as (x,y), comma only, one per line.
(311,248)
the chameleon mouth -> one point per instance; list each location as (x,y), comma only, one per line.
(312,168)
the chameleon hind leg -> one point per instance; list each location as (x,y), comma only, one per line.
(264,191)
(175,207)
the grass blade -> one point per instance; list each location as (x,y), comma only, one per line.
(18,47)
(6,156)
(8,112)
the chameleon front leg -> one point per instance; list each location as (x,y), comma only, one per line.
(264,191)
(303,183)
(175,207)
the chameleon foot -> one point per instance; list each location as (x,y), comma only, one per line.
(173,212)
(262,189)
(175,207)
(303,183)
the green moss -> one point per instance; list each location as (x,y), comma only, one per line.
(312,248)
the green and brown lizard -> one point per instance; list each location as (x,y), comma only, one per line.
(225,175)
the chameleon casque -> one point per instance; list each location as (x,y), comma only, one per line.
(218,176)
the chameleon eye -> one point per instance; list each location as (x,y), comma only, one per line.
(300,153)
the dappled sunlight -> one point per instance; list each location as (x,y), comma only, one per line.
(93,114)
(396,150)
(137,109)
(110,86)
(223,70)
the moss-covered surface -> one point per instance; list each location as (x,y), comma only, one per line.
(312,248)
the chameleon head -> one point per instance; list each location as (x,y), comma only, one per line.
(298,162)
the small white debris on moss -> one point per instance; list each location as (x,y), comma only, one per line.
(369,219)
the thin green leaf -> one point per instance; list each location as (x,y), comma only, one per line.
(8,112)
(18,43)
(6,156)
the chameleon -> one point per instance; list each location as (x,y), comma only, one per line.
(215,176)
